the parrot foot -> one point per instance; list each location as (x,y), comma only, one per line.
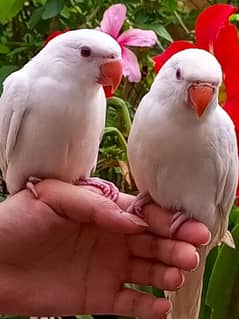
(136,207)
(30,185)
(177,220)
(108,189)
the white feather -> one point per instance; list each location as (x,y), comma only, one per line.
(52,111)
(183,162)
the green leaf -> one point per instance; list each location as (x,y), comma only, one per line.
(17,50)
(66,13)
(9,9)
(162,32)
(223,287)
(116,132)
(141,17)
(118,115)
(42,2)
(159,29)
(4,72)
(52,8)
(84,317)
(158,293)
(234,216)
(4,49)
(234,17)
(170,5)
(36,17)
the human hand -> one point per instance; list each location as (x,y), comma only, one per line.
(58,258)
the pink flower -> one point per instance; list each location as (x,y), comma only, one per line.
(112,23)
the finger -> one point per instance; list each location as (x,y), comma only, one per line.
(196,232)
(149,273)
(84,206)
(133,303)
(159,221)
(171,252)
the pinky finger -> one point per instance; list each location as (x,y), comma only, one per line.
(132,303)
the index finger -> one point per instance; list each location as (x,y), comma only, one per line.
(81,205)
(159,220)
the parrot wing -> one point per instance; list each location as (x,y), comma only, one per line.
(13,106)
(229,177)
(185,307)
(101,135)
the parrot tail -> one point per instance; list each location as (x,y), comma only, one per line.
(187,300)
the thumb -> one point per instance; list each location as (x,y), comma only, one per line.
(84,206)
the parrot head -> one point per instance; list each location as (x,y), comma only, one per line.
(190,78)
(90,56)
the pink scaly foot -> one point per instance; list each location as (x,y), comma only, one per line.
(30,185)
(177,220)
(136,207)
(108,189)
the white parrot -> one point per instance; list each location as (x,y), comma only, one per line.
(52,111)
(182,152)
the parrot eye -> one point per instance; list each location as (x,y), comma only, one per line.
(85,52)
(178,74)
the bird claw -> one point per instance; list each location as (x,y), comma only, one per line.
(177,220)
(136,207)
(108,189)
(30,185)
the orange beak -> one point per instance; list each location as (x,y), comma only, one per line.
(200,96)
(111,74)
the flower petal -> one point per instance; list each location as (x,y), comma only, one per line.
(54,34)
(232,108)
(138,38)
(230,68)
(173,48)
(131,68)
(210,22)
(113,19)
(225,43)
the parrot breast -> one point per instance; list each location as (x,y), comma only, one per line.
(59,135)
(177,165)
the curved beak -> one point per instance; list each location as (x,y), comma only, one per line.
(111,74)
(199,96)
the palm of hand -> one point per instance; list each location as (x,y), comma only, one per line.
(51,257)
(58,261)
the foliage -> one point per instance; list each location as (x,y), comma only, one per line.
(24,26)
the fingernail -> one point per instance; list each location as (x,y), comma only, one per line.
(209,239)
(198,260)
(182,282)
(135,219)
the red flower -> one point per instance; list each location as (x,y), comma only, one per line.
(210,23)
(54,34)
(173,48)
(214,33)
